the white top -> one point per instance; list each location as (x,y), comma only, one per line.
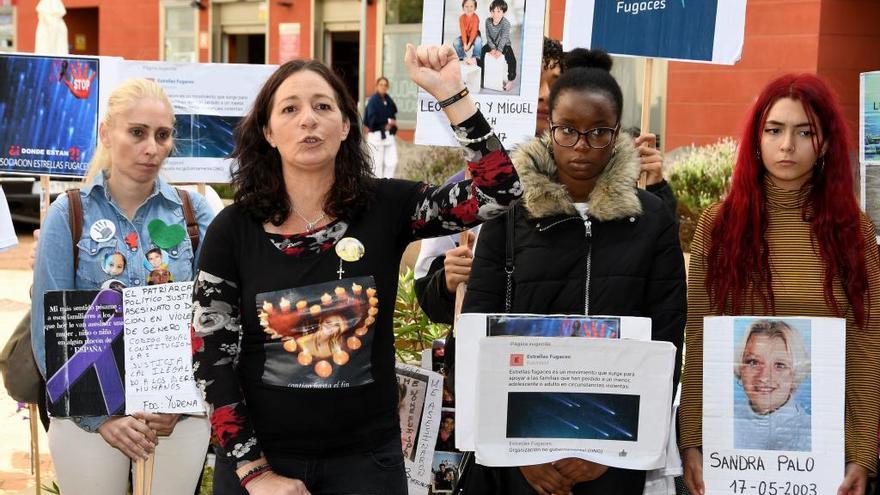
(7,232)
(583,209)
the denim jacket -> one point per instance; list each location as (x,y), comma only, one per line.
(53,269)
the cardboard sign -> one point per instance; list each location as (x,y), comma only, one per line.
(420,397)
(869,145)
(690,30)
(606,400)
(773,411)
(48,113)
(158,352)
(84,353)
(511,108)
(472,328)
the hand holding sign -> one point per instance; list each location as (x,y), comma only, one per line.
(129,435)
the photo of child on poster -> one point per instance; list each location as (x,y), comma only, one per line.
(772,393)
(487,36)
(411,394)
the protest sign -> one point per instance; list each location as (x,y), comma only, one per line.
(48,113)
(700,31)
(869,145)
(606,400)
(158,353)
(420,396)
(471,328)
(84,354)
(209,100)
(773,412)
(503,82)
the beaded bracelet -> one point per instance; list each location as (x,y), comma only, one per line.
(454,98)
(466,140)
(253,473)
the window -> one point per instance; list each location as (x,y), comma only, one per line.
(403,11)
(180,32)
(7,29)
(630,74)
(403,24)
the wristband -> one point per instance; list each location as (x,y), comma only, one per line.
(454,98)
(253,473)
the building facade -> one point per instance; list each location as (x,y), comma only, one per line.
(363,39)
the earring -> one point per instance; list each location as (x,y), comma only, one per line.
(820,164)
(758,155)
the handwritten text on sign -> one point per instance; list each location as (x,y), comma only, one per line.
(158,362)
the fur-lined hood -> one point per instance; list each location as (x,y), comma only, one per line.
(615,195)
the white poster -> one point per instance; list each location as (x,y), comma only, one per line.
(158,352)
(606,400)
(420,396)
(209,100)
(711,31)
(773,412)
(471,328)
(501,66)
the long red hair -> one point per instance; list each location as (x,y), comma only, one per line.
(739,258)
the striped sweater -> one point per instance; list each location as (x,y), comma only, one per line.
(798,273)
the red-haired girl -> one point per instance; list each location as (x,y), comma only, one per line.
(790,239)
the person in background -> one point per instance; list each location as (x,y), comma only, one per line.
(380,120)
(790,239)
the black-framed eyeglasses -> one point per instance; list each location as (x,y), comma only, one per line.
(596,138)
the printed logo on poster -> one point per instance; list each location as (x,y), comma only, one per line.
(700,31)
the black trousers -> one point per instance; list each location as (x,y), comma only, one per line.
(378,472)
(509,57)
(482,480)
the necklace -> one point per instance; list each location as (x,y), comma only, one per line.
(310,225)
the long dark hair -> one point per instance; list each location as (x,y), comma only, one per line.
(259,181)
(739,256)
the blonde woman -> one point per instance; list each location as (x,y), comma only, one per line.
(122,194)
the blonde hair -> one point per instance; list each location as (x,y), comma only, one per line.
(121,99)
(779,329)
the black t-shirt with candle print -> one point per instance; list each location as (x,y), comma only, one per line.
(314,373)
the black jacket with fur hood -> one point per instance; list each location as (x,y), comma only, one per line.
(624,260)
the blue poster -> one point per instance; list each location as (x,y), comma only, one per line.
(680,29)
(48,114)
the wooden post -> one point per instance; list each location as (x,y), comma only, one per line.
(200,188)
(645,126)
(148,474)
(139,468)
(34,417)
(462,287)
(33,412)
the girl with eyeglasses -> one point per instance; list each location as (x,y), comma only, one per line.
(586,241)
